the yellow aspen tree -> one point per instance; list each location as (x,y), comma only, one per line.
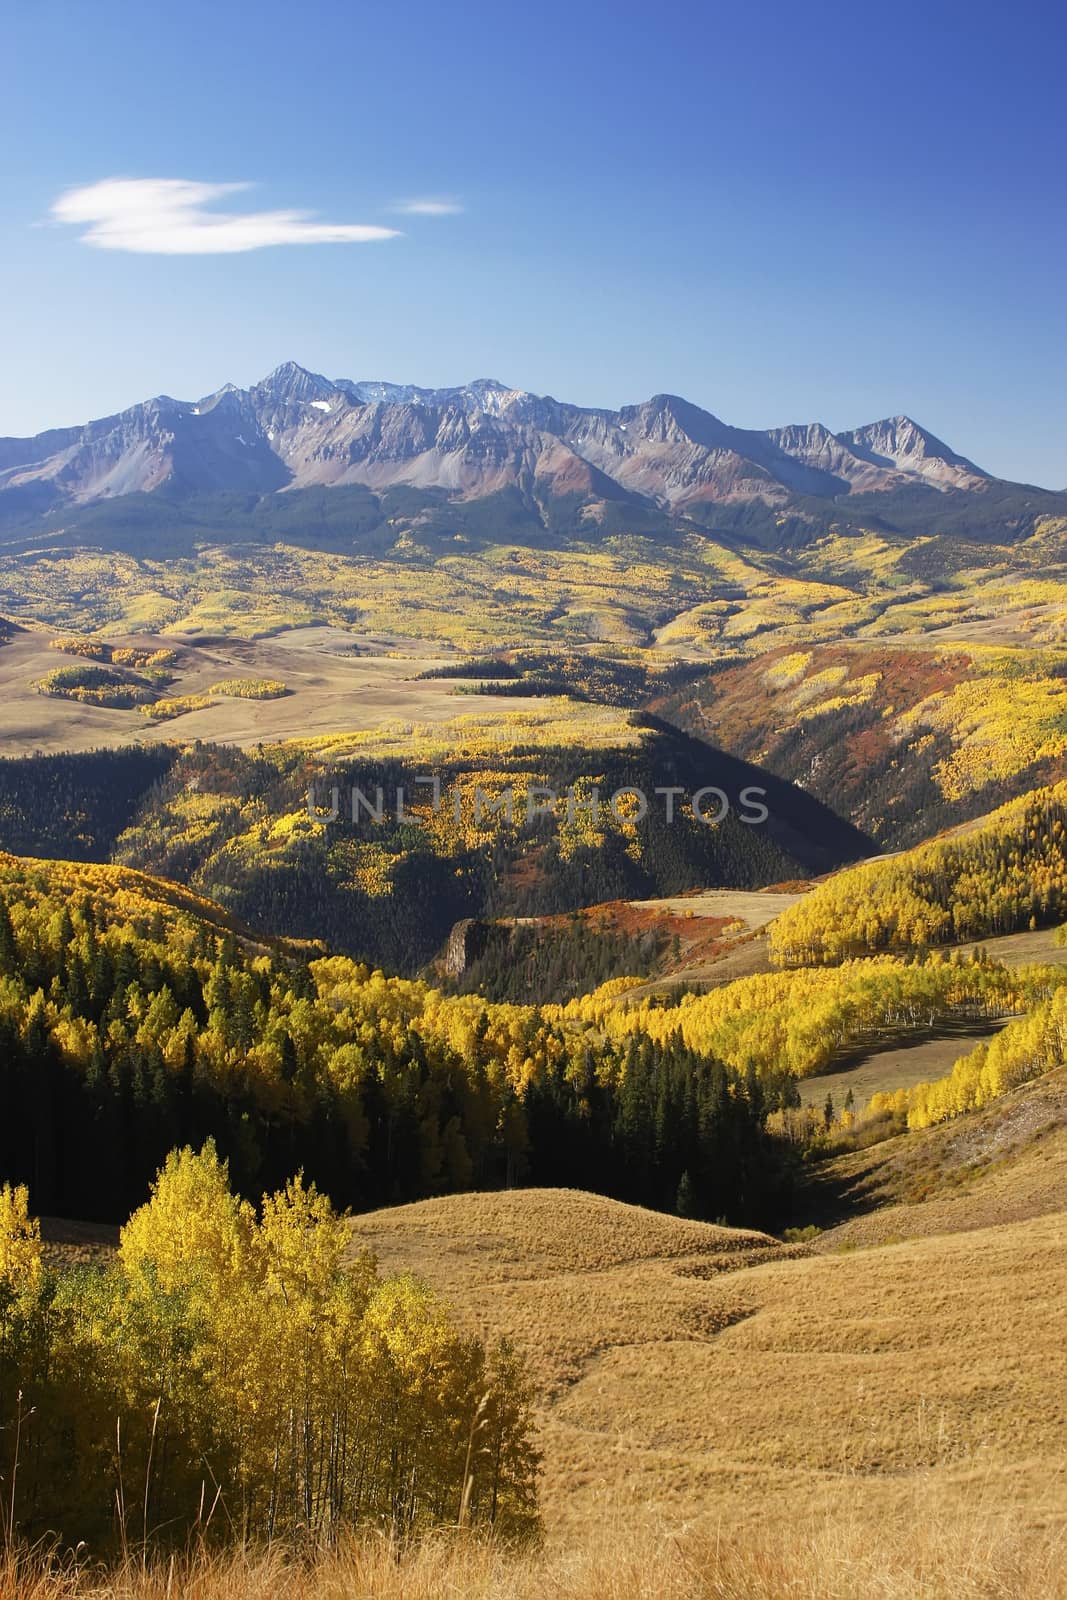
(20,1240)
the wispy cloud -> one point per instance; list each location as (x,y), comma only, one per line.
(169,217)
(429,206)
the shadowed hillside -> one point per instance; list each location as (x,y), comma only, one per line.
(235,824)
(1004,1163)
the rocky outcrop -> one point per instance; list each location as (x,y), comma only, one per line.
(468,941)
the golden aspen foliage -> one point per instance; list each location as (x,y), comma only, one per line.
(1025,1048)
(20,1240)
(1009,872)
(247,1360)
(193,1234)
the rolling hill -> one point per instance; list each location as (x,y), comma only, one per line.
(705,1379)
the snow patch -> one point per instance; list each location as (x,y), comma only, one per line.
(321,405)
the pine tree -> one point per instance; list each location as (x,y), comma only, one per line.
(685,1203)
(8,946)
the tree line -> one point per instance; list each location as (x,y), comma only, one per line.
(1008,874)
(130,1026)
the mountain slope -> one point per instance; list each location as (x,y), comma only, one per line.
(904,740)
(297,430)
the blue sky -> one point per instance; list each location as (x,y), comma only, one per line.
(785,213)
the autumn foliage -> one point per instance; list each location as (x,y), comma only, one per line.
(1026,1048)
(235,1374)
(1008,873)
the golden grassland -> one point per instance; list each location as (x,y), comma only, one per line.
(885,1070)
(688,1385)
(752,909)
(938,1555)
(728,1418)
(330,687)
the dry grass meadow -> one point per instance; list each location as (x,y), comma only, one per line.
(1004,1164)
(336,681)
(694,1378)
(880,1411)
(754,908)
(983,1556)
(883,1071)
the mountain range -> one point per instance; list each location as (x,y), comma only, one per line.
(662,463)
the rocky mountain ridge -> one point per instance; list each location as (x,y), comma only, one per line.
(297,429)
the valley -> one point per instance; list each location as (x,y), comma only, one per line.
(533,802)
(894,1065)
(716,1161)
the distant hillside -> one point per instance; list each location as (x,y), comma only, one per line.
(234,825)
(1002,874)
(119,895)
(905,739)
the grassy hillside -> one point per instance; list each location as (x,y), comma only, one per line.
(1004,1163)
(689,1379)
(334,681)
(814,1401)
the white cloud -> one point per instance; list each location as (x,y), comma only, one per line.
(429,207)
(167,216)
